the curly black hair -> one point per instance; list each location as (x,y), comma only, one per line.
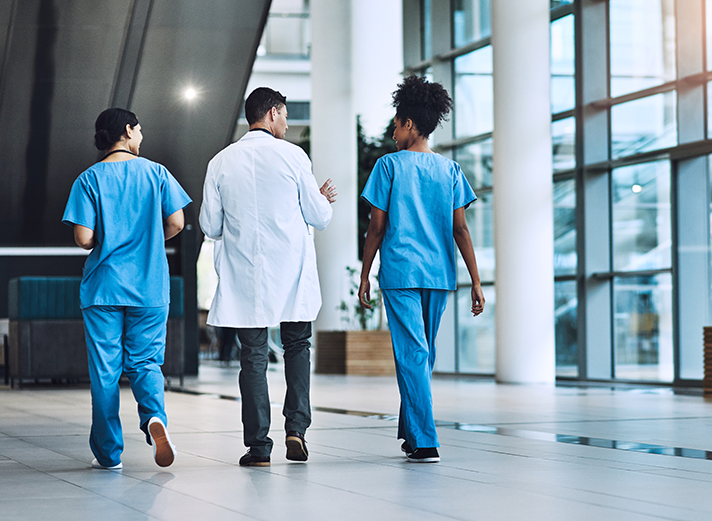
(423,102)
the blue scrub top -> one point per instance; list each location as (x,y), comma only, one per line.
(125,203)
(419,191)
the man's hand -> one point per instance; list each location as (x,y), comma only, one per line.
(328,190)
(364,293)
(478,300)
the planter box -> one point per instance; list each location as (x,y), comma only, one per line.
(367,353)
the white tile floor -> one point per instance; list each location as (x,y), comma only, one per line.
(356,470)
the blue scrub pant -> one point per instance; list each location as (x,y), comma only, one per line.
(414,318)
(132,340)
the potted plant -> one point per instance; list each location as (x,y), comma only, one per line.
(364,346)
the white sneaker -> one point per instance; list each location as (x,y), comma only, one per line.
(96,465)
(164,452)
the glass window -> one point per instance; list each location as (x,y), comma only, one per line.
(286,34)
(708,13)
(480,222)
(298,110)
(563,95)
(642,238)
(428,74)
(475,334)
(473,93)
(563,137)
(709,107)
(426,30)
(644,124)
(642,44)
(559,3)
(471,21)
(565,309)
(643,328)
(475,160)
(565,227)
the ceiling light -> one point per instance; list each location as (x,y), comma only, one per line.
(636,189)
(190,93)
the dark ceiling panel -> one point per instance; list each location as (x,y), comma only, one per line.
(63,61)
(59,68)
(209,46)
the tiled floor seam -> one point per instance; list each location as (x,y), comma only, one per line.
(622,445)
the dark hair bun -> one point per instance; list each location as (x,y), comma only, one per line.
(103,140)
(110,126)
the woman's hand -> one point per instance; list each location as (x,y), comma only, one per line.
(364,293)
(478,300)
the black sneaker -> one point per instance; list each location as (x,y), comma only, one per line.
(296,446)
(405,447)
(250,460)
(424,455)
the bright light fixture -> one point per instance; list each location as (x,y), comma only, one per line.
(636,189)
(190,93)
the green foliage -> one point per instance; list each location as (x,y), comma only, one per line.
(370,150)
(361,317)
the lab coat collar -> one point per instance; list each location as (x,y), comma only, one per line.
(257,135)
(261,130)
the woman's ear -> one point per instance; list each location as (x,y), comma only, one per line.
(128,131)
(409,124)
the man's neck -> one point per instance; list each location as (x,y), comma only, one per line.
(263,128)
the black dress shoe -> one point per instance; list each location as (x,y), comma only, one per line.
(296,446)
(250,460)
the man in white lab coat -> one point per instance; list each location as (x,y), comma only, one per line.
(260,198)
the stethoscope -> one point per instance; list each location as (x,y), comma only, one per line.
(118,150)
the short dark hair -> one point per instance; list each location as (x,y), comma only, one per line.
(260,102)
(423,102)
(110,126)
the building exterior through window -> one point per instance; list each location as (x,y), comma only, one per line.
(632,183)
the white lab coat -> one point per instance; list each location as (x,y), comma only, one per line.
(259,197)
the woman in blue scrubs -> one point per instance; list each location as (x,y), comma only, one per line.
(418,200)
(123,209)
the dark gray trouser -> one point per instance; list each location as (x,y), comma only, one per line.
(253,383)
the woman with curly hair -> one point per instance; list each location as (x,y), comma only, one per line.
(418,200)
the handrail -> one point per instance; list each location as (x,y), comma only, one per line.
(51,251)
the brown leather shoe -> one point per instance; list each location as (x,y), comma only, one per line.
(250,460)
(296,446)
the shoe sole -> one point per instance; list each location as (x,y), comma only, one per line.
(164,452)
(102,467)
(256,464)
(295,449)
(424,460)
